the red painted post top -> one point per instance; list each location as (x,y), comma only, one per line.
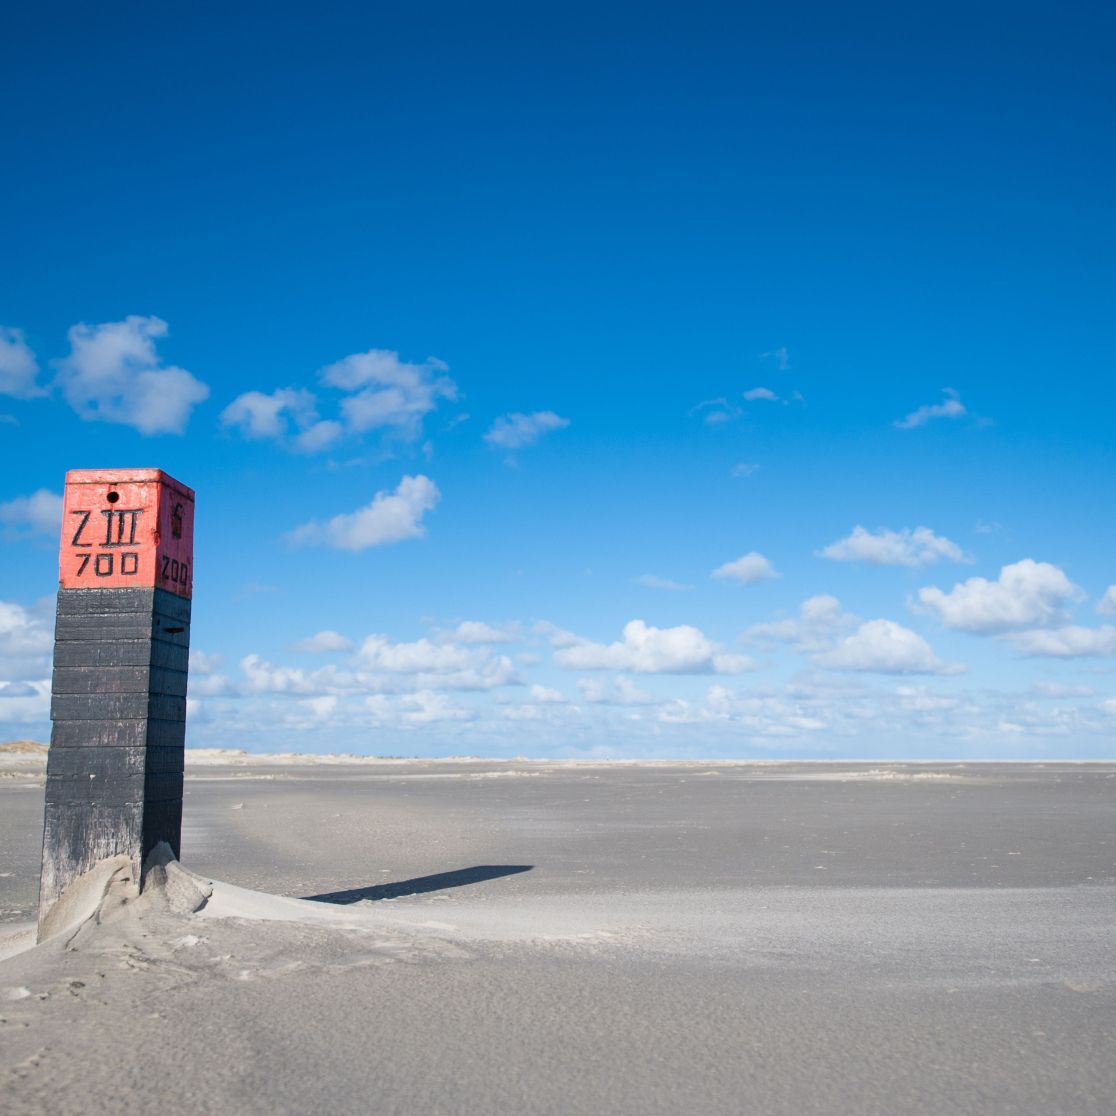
(127,528)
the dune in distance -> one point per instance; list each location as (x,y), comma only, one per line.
(471,935)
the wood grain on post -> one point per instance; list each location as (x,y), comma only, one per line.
(122,646)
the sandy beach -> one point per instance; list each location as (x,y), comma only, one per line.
(546,937)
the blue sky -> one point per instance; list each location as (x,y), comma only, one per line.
(716,380)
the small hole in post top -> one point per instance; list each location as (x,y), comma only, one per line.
(113,497)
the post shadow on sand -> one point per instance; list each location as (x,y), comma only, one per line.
(438,882)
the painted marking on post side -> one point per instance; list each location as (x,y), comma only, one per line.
(127,528)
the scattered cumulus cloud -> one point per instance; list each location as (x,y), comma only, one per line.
(752,395)
(871,694)
(885,647)
(1106,606)
(18,368)
(210,685)
(950,407)
(439,665)
(780,357)
(883,547)
(1070,642)
(545,695)
(37,514)
(643,649)
(257,415)
(26,635)
(715,412)
(318,436)
(387,392)
(819,622)
(391,517)
(203,662)
(113,374)
(747,569)
(324,642)
(1061,690)
(517,430)
(422,708)
(652,581)
(382,665)
(743,469)
(1026,594)
(620,691)
(26,643)
(263,677)
(321,708)
(769,717)
(379,392)
(478,631)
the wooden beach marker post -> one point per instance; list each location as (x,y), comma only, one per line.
(122,645)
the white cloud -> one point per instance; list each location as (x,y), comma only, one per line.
(749,568)
(715,412)
(1106,606)
(921,699)
(18,367)
(516,430)
(887,648)
(558,637)
(765,715)
(442,666)
(820,620)
(381,392)
(211,685)
(258,416)
(25,703)
(621,691)
(382,666)
(1026,594)
(324,642)
(268,678)
(26,640)
(318,436)
(544,695)
(651,581)
(202,662)
(477,631)
(22,632)
(390,518)
(321,708)
(649,650)
(113,374)
(1061,690)
(744,469)
(951,407)
(1070,642)
(423,707)
(37,514)
(380,653)
(524,711)
(756,393)
(780,356)
(1109,706)
(388,393)
(883,547)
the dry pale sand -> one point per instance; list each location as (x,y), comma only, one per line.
(512,937)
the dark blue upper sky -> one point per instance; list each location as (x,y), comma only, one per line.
(626,216)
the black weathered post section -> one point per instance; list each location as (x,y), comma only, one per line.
(122,644)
